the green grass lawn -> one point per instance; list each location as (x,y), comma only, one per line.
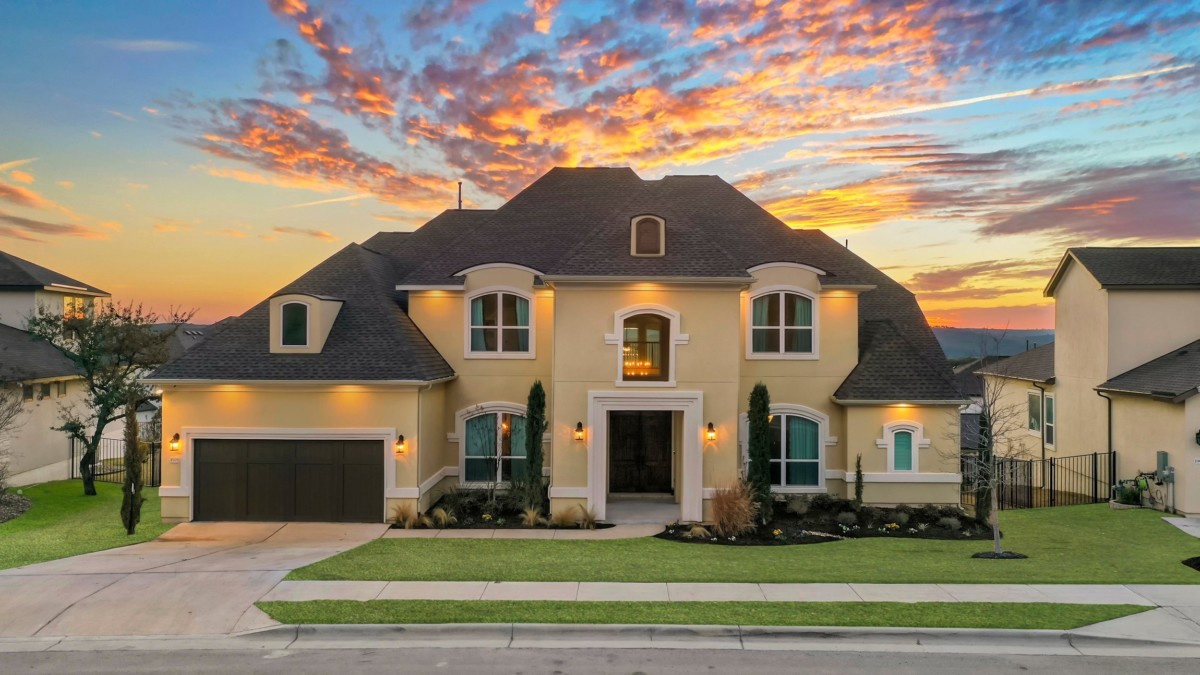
(63,522)
(914,615)
(1068,545)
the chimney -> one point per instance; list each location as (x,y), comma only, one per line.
(460,195)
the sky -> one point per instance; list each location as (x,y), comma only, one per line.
(202,155)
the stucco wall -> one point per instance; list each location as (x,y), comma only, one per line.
(1081,355)
(37,453)
(936,479)
(1141,427)
(1173,315)
(1012,413)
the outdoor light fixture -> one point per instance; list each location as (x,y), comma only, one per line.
(1198,438)
(158,391)
(712,433)
(579,431)
(174,445)
(400,445)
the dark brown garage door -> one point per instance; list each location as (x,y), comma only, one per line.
(326,481)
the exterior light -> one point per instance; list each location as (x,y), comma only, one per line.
(174,444)
(400,445)
(712,432)
(158,391)
(579,431)
(1198,438)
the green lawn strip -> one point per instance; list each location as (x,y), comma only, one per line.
(1067,545)
(63,522)
(914,615)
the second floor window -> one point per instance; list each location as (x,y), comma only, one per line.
(645,352)
(500,323)
(294,324)
(74,307)
(781,323)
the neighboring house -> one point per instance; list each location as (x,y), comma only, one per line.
(47,379)
(1124,369)
(397,369)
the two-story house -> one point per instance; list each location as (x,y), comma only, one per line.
(1123,372)
(45,379)
(647,308)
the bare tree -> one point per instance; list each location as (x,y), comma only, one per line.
(11,410)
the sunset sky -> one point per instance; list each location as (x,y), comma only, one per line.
(204,154)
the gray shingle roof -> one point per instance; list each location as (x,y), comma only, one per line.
(17,273)
(1174,375)
(893,369)
(24,358)
(1138,266)
(1035,365)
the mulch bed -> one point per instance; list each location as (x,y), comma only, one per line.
(13,505)
(1002,555)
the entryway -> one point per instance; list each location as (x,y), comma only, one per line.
(640,452)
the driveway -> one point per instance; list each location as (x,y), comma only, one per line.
(197,579)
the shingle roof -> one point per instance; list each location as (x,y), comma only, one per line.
(1133,267)
(968,427)
(17,273)
(1035,365)
(371,340)
(967,375)
(893,369)
(24,358)
(1174,375)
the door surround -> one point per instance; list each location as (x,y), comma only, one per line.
(690,403)
(662,447)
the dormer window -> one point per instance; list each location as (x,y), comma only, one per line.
(648,237)
(499,325)
(294,324)
(782,324)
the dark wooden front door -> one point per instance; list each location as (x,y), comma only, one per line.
(639,451)
(289,480)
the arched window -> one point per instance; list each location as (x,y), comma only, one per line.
(499,323)
(293,330)
(649,236)
(494,448)
(782,322)
(795,451)
(903,441)
(646,348)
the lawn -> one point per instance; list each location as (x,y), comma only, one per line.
(914,615)
(63,522)
(1066,545)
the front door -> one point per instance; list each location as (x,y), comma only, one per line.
(639,451)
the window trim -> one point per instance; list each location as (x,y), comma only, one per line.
(781,355)
(888,442)
(1029,413)
(823,427)
(662,236)
(617,337)
(1048,401)
(308,312)
(27,392)
(61,391)
(468,353)
(460,426)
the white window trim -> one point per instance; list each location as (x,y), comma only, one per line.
(1041,409)
(308,312)
(888,441)
(460,429)
(662,236)
(1049,398)
(617,337)
(815,354)
(489,290)
(798,410)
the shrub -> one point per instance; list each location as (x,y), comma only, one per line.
(734,509)
(1129,494)
(950,523)
(406,516)
(565,518)
(847,518)
(858,480)
(587,517)
(927,514)
(900,518)
(443,517)
(697,532)
(798,504)
(759,473)
(455,500)
(532,517)
(824,504)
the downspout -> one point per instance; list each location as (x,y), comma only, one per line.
(1111,456)
(1042,431)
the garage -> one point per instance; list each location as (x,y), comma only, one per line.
(288,480)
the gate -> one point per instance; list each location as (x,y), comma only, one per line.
(110,462)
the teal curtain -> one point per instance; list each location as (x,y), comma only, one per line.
(516,425)
(478,342)
(761,310)
(902,456)
(481,448)
(522,312)
(799,310)
(803,437)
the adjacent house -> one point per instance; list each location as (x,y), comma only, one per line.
(1124,370)
(399,368)
(46,379)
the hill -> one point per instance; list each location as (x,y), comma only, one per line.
(961,343)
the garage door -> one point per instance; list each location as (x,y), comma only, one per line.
(288,480)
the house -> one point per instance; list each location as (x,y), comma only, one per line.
(399,368)
(46,379)
(1123,371)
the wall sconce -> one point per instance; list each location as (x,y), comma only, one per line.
(401,446)
(158,391)
(174,444)
(1198,438)
(711,434)
(579,431)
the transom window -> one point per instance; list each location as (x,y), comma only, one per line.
(795,451)
(648,237)
(495,448)
(500,323)
(293,318)
(781,323)
(646,351)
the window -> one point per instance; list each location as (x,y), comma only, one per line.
(44,390)
(27,392)
(645,350)
(795,451)
(781,323)
(1035,412)
(62,388)
(294,324)
(499,323)
(487,433)
(648,236)
(74,307)
(1048,420)
(903,441)
(902,451)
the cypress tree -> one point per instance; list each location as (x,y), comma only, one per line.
(759,475)
(535,426)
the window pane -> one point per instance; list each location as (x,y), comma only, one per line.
(798,310)
(802,438)
(766,340)
(645,354)
(478,470)
(776,473)
(516,310)
(902,451)
(481,436)
(483,339)
(1049,433)
(1035,412)
(776,436)
(647,238)
(762,309)
(515,445)
(1049,411)
(802,473)
(45,390)
(483,310)
(27,392)
(799,340)
(515,468)
(516,339)
(295,324)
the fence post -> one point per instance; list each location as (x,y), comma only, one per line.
(1095,477)
(1052,483)
(1029,491)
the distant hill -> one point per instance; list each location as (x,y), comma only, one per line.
(961,343)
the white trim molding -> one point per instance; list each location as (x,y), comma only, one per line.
(617,337)
(787,265)
(662,236)
(496,265)
(827,440)
(888,442)
(905,477)
(690,403)
(781,355)
(437,477)
(570,493)
(468,353)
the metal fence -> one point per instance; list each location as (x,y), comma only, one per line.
(1038,483)
(110,462)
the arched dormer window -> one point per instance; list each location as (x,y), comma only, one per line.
(293,328)
(648,237)
(903,441)
(782,324)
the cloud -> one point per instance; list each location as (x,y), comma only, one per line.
(121,115)
(149,45)
(1098,104)
(231,232)
(96,134)
(348,198)
(65,184)
(6,166)
(33,226)
(171,225)
(543,11)
(150,111)
(21,176)
(22,196)
(323,235)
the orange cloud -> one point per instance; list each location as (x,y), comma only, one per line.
(323,235)
(1091,105)
(21,176)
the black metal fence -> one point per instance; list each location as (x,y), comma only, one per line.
(1038,483)
(110,462)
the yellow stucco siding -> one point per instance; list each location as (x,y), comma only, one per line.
(1131,313)
(1081,361)
(1011,402)
(1142,426)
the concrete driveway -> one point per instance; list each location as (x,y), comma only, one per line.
(197,579)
